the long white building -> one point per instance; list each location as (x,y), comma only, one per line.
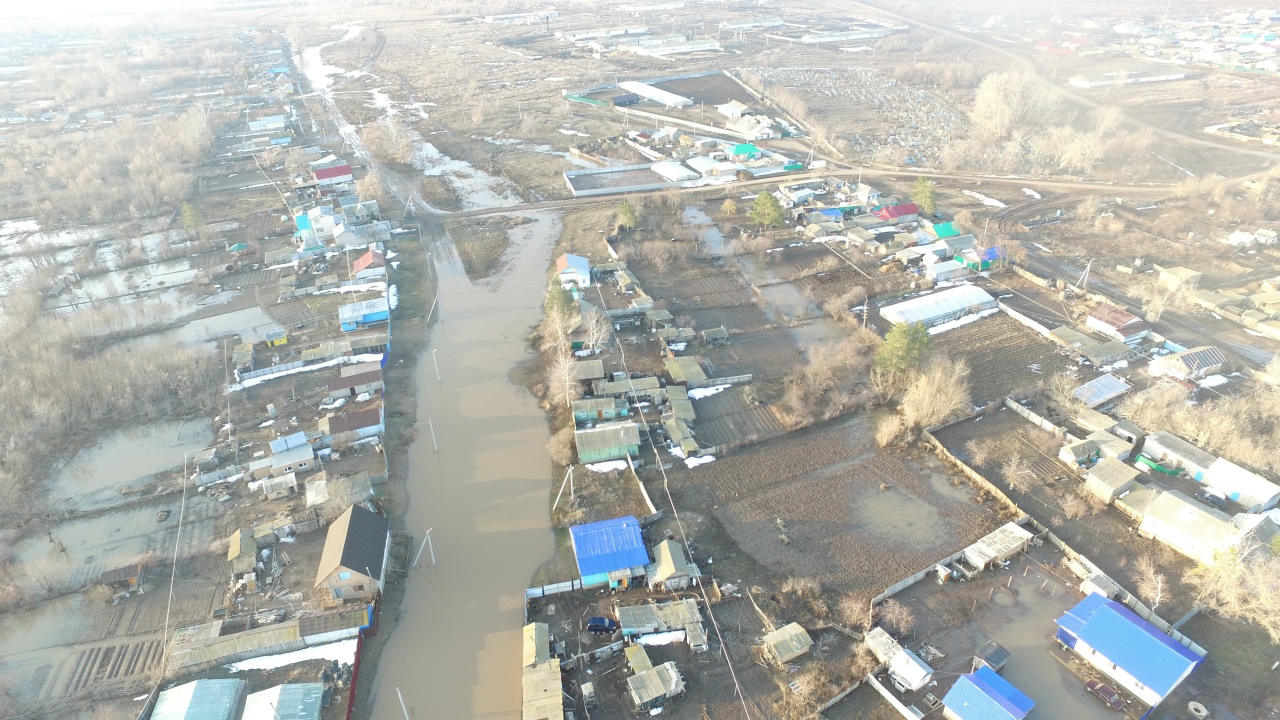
(657,95)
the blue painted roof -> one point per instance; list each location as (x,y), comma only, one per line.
(577,263)
(984,695)
(832,213)
(1133,644)
(608,545)
(992,253)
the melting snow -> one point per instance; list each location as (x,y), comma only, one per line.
(694,462)
(353,359)
(699,393)
(984,199)
(962,321)
(342,651)
(608,466)
(1031,192)
(1211,381)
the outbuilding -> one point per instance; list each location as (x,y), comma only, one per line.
(1109,479)
(671,569)
(1117,324)
(1101,390)
(1170,450)
(1191,364)
(597,409)
(1254,492)
(359,315)
(788,642)
(353,385)
(652,688)
(984,695)
(200,700)
(291,701)
(1140,658)
(609,551)
(353,426)
(946,270)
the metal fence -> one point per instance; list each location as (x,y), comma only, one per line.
(553,589)
(1039,421)
(241,377)
(1034,325)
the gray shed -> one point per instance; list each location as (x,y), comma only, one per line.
(1109,479)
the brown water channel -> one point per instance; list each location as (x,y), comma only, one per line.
(455,652)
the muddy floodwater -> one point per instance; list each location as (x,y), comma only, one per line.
(95,476)
(455,652)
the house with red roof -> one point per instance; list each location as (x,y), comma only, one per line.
(899,213)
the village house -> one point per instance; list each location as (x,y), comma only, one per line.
(597,409)
(543,693)
(359,315)
(291,453)
(984,695)
(787,642)
(609,551)
(353,563)
(351,385)
(607,441)
(1201,532)
(1188,365)
(279,488)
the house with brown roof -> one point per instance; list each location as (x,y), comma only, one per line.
(352,385)
(1117,324)
(353,426)
(353,563)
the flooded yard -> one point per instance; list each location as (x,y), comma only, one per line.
(96,476)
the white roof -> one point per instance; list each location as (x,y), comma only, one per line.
(702,163)
(673,171)
(928,308)
(910,669)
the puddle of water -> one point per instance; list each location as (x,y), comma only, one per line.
(96,474)
(486,493)
(47,624)
(786,303)
(249,324)
(710,236)
(894,513)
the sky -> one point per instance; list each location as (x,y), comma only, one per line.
(72,9)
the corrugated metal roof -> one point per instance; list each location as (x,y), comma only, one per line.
(1131,643)
(357,310)
(537,644)
(1112,473)
(928,308)
(1101,389)
(910,669)
(607,436)
(292,701)
(662,681)
(1165,444)
(200,700)
(984,695)
(289,442)
(1245,487)
(669,560)
(608,545)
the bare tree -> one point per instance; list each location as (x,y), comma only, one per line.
(562,383)
(889,429)
(938,394)
(1152,585)
(896,616)
(1016,473)
(596,327)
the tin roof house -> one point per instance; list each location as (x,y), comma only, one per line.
(984,695)
(1132,652)
(1117,324)
(609,551)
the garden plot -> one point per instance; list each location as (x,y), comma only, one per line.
(764,355)
(824,504)
(1004,356)
(713,89)
(854,102)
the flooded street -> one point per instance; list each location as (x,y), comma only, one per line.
(455,652)
(96,475)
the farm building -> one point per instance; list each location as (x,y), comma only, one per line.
(649,92)
(353,563)
(624,100)
(200,700)
(607,441)
(1109,478)
(609,551)
(637,659)
(998,545)
(588,370)
(1117,324)
(939,307)
(1172,451)
(788,642)
(1179,277)
(671,569)
(946,270)
(991,655)
(1254,492)
(1200,532)
(369,381)
(279,488)
(334,175)
(1135,654)
(541,681)
(647,388)
(1191,364)
(1093,421)
(596,409)
(984,695)
(652,688)
(359,315)
(291,453)
(291,701)
(123,579)
(657,618)
(732,109)
(573,271)
(353,426)
(1101,390)
(685,371)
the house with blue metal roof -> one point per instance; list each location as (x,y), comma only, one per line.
(984,695)
(1132,652)
(609,551)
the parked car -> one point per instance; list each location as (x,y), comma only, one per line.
(1105,693)
(1209,497)
(602,626)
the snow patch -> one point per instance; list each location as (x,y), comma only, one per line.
(694,462)
(567,131)
(362,287)
(671,637)
(1212,381)
(699,393)
(393,297)
(1031,192)
(475,189)
(353,359)
(984,199)
(607,466)
(343,651)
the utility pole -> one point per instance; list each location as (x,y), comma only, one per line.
(402,707)
(426,543)
(436,364)
(434,444)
